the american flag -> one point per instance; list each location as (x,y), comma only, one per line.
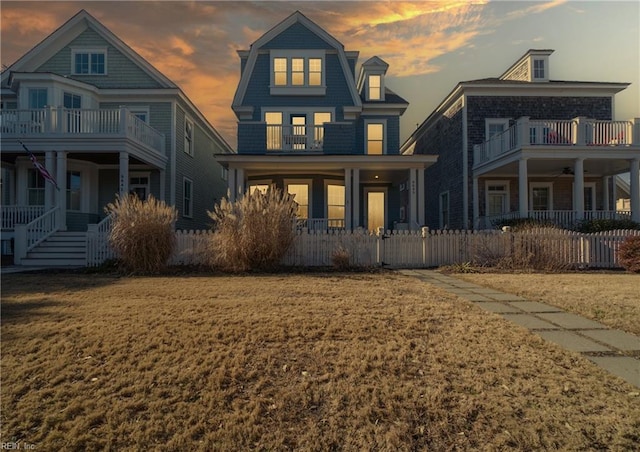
(41,169)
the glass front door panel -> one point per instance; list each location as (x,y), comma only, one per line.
(375,210)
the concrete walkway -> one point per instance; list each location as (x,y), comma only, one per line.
(613,350)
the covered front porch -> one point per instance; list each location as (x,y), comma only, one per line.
(339,191)
(563,171)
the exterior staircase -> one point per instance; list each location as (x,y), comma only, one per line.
(61,249)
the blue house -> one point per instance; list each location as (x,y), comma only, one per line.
(309,125)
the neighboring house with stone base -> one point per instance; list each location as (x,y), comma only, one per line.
(103,121)
(524,145)
(310,125)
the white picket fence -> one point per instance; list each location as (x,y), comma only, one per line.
(408,249)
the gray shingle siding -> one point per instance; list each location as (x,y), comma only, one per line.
(121,71)
(297,36)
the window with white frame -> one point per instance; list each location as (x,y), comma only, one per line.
(89,61)
(497,197)
(74,187)
(541,196)
(495,126)
(444,210)
(260,185)
(335,205)
(224,173)
(37,97)
(187,198)
(319,119)
(375,87)
(301,191)
(274,129)
(538,69)
(142,113)
(297,72)
(188,136)
(35,188)
(375,143)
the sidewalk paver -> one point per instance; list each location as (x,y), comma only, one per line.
(623,366)
(570,331)
(530,321)
(570,321)
(616,338)
(572,341)
(534,306)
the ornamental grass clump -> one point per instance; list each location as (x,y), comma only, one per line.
(629,254)
(142,234)
(254,232)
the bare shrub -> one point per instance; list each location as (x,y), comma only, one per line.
(142,235)
(341,258)
(254,232)
(629,254)
(536,248)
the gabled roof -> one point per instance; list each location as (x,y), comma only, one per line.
(66,33)
(296,17)
(374,64)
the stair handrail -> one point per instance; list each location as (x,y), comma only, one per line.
(98,249)
(30,235)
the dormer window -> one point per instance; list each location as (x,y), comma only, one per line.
(375,87)
(297,72)
(538,70)
(89,62)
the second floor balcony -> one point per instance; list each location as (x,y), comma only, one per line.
(329,138)
(78,124)
(562,134)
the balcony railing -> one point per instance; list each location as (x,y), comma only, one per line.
(563,133)
(80,123)
(294,138)
(562,218)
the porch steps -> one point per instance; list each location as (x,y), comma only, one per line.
(62,249)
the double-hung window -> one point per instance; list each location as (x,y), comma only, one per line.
(89,61)
(188,137)
(297,72)
(375,138)
(187,198)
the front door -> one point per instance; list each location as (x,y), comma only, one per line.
(139,185)
(376,210)
(299,131)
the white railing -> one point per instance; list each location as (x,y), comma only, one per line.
(12,215)
(420,249)
(557,133)
(319,224)
(28,236)
(80,122)
(294,138)
(98,249)
(562,218)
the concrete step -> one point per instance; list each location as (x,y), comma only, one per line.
(38,254)
(28,262)
(62,244)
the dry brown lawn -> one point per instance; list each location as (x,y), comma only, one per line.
(607,297)
(353,362)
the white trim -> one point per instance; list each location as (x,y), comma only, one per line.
(507,192)
(548,185)
(134,110)
(289,89)
(191,141)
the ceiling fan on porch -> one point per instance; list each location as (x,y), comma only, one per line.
(567,170)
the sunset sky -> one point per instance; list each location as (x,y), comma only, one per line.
(429,45)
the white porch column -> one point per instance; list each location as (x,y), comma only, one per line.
(348,224)
(124,174)
(635,189)
(614,193)
(606,206)
(240,183)
(231,185)
(413,205)
(578,188)
(523,193)
(61,195)
(421,198)
(49,189)
(355,193)
(476,204)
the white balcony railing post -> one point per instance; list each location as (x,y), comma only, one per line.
(579,130)
(523,137)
